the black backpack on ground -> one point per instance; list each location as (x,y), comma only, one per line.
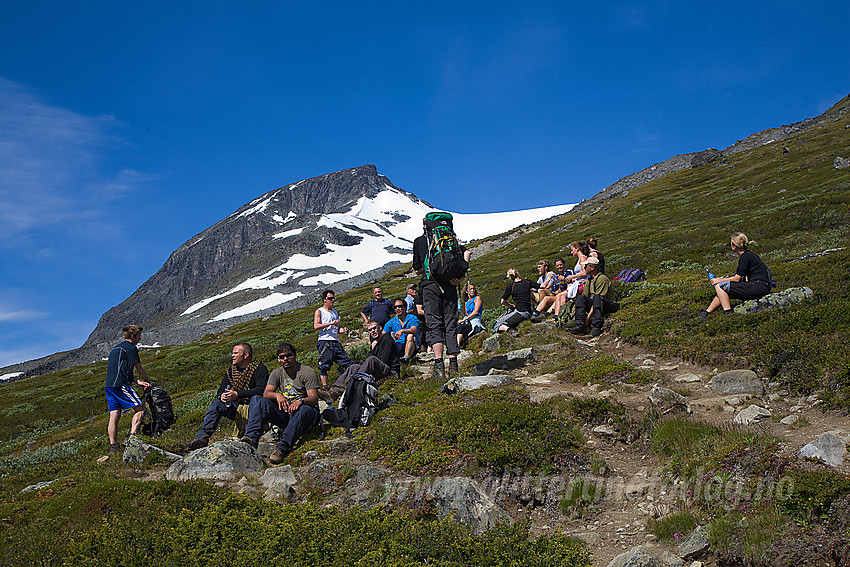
(357,406)
(444,261)
(160,416)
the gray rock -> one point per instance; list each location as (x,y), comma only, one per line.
(672,559)
(466,383)
(605,430)
(547,347)
(637,557)
(705,157)
(828,448)
(689,377)
(491,344)
(279,483)
(695,545)
(135,451)
(841,163)
(789,420)
(668,400)
(509,361)
(780,299)
(750,415)
(737,382)
(38,486)
(464,356)
(463,499)
(223,460)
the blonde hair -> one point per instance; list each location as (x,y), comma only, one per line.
(740,241)
(512,273)
(544,262)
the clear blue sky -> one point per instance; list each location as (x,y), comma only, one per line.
(126,128)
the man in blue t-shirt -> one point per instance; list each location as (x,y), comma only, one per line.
(123,359)
(403,328)
(380,309)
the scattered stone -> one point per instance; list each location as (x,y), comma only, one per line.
(789,420)
(668,367)
(695,545)
(705,157)
(491,343)
(466,383)
(668,400)
(733,401)
(689,377)
(605,430)
(737,382)
(464,356)
(637,557)
(647,362)
(548,347)
(463,499)
(135,451)
(750,415)
(841,163)
(512,360)
(797,408)
(223,460)
(38,486)
(828,448)
(644,356)
(279,482)
(782,298)
(672,559)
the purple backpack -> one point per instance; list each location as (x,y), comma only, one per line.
(631,275)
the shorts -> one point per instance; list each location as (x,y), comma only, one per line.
(124,397)
(747,290)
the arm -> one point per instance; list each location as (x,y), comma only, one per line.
(479,304)
(317,321)
(312,399)
(142,380)
(467,255)
(366,312)
(732,278)
(271,393)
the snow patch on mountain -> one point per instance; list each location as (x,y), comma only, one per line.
(384,226)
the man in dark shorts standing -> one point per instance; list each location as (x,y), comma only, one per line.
(440,304)
(123,359)
(290,401)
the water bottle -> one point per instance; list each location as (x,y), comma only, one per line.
(710,275)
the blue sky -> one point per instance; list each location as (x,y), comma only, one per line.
(127,129)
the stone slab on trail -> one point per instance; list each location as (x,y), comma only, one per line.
(737,382)
(223,460)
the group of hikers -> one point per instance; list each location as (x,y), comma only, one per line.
(425,318)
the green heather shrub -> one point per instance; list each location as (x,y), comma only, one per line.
(691,446)
(672,526)
(608,369)
(26,459)
(491,428)
(739,537)
(128,524)
(580,496)
(813,492)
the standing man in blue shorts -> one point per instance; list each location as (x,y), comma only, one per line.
(326,321)
(123,359)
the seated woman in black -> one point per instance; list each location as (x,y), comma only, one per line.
(520,289)
(751,279)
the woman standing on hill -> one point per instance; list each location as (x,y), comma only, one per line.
(751,279)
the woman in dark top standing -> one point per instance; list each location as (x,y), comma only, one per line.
(751,279)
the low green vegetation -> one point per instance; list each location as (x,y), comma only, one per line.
(673,526)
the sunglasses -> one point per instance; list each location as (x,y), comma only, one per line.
(399,306)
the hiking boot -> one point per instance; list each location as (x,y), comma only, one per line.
(580,330)
(404,359)
(453,369)
(278,455)
(114,448)
(703,314)
(199,442)
(249,441)
(330,395)
(595,332)
(439,370)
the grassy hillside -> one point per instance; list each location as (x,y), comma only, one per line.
(787,197)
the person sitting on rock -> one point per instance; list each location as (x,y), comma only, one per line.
(520,289)
(592,243)
(544,281)
(546,306)
(473,307)
(751,279)
(403,328)
(290,401)
(595,302)
(380,309)
(244,379)
(382,363)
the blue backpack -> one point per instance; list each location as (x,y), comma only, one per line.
(631,275)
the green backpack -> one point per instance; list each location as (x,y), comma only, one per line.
(444,261)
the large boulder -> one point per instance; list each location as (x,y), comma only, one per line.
(695,545)
(463,499)
(509,361)
(637,557)
(135,451)
(465,383)
(782,298)
(750,415)
(737,382)
(224,460)
(828,447)
(666,400)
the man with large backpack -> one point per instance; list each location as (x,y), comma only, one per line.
(123,360)
(443,262)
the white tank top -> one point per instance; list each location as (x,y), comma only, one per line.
(328,333)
